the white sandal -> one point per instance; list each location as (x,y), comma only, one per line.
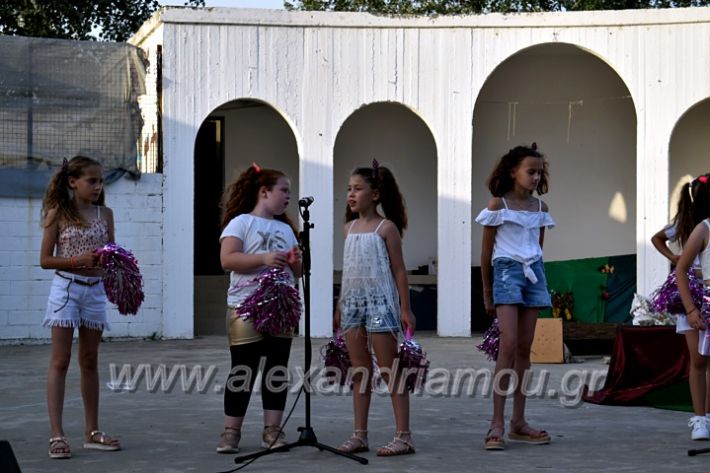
(398,446)
(355,444)
(56,444)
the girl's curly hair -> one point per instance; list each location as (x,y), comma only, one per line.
(500,180)
(242,194)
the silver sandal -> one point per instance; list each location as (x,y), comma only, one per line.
(357,443)
(398,446)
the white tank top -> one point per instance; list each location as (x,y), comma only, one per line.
(368,283)
(705,255)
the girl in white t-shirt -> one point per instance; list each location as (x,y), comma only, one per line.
(514,284)
(257,235)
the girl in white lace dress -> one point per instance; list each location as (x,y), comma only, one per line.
(374,299)
(514,285)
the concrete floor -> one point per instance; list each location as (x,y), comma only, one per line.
(175,430)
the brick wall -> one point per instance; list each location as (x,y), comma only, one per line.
(24,285)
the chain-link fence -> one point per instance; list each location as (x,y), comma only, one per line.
(60,98)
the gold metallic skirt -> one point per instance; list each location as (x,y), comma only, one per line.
(241,332)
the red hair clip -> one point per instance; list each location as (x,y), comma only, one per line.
(703,179)
(256,167)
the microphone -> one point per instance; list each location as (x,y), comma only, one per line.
(305,201)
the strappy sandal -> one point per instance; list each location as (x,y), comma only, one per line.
(526,434)
(495,442)
(59,448)
(355,444)
(398,446)
(273,437)
(98,440)
(229,440)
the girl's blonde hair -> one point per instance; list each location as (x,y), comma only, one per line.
(60,197)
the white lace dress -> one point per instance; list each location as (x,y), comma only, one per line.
(368,284)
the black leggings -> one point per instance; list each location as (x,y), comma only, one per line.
(247,360)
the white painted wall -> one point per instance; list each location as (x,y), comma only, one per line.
(259,134)
(689,153)
(401,141)
(24,286)
(317,68)
(586,127)
(254,132)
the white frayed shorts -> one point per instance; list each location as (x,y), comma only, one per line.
(76,301)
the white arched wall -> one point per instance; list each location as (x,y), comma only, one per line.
(582,117)
(689,150)
(401,141)
(254,132)
(317,67)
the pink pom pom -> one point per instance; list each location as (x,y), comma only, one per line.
(413,359)
(336,359)
(122,278)
(275,306)
(667,297)
(491,341)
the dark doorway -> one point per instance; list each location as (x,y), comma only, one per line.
(209,184)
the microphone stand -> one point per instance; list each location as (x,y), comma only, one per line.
(307,437)
(692,453)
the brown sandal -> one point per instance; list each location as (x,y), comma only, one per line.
(398,446)
(495,442)
(357,443)
(525,433)
(59,448)
(98,440)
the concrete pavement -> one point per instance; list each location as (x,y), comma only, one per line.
(174,428)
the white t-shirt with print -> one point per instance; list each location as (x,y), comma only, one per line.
(258,235)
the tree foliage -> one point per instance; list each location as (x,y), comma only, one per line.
(107,20)
(462,7)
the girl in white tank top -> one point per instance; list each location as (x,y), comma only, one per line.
(698,314)
(368,285)
(374,301)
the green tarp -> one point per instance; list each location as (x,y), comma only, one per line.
(598,296)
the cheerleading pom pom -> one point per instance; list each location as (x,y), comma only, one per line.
(412,359)
(336,359)
(275,306)
(122,278)
(667,297)
(491,341)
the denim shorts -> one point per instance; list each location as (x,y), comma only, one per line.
(372,323)
(511,287)
(76,301)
